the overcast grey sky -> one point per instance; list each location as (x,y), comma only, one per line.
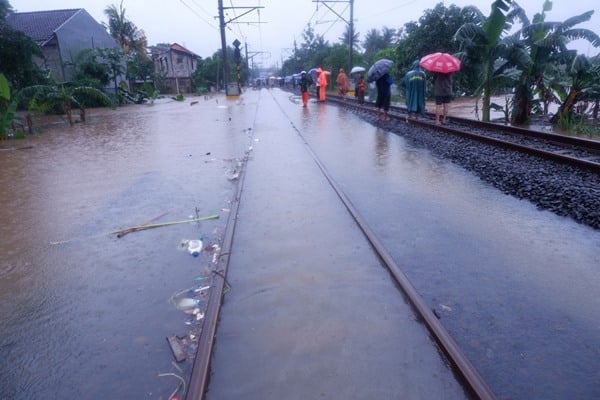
(193,23)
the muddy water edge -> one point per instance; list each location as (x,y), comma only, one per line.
(88,317)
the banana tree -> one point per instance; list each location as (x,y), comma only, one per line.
(584,85)
(8,107)
(546,42)
(482,45)
(67,96)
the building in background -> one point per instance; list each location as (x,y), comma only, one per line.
(62,35)
(175,65)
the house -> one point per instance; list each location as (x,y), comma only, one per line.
(62,35)
(175,64)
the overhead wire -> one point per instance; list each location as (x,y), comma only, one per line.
(198,15)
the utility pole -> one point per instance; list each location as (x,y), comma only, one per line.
(223,48)
(349,23)
(222,24)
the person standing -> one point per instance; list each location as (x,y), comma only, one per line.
(384,96)
(342,82)
(361,87)
(371,86)
(317,79)
(322,77)
(443,96)
(414,84)
(304,88)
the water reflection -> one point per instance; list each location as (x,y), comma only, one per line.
(515,286)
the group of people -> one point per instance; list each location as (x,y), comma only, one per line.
(414,84)
(320,85)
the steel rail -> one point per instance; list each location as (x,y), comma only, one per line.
(471,378)
(200,375)
(201,367)
(397,113)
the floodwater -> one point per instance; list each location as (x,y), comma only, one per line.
(516,287)
(88,318)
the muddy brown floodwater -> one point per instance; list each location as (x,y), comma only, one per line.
(88,318)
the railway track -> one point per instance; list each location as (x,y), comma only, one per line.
(472,381)
(578,152)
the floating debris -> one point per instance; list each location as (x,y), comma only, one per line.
(176,348)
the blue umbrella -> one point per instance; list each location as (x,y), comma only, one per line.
(380,68)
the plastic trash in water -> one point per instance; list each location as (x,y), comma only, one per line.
(194,247)
(187,303)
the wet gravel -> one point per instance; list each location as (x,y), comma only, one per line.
(565,190)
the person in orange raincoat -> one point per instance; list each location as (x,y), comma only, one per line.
(322,77)
(343,83)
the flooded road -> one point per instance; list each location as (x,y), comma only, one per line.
(88,318)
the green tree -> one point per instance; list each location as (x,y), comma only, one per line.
(546,44)
(87,68)
(584,85)
(125,32)
(131,39)
(66,96)
(113,59)
(483,48)
(5,9)
(375,41)
(434,32)
(8,106)
(17,53)
(345,39)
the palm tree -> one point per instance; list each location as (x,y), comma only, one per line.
(546,44)
(124,31)
(345,39)
(493,56)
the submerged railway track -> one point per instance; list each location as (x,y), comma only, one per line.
(473,383)
(574,151)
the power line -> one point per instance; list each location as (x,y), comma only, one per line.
(198,15)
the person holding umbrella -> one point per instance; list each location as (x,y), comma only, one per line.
(379,73)
(443,96)
(442,65)
(384,96)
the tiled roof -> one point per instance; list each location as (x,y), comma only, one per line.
(178,47)
(40,25)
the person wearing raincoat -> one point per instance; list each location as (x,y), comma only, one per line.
(322,82)
(343,83)
(414,84)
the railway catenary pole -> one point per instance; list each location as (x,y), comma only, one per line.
(349,23)
(223,47)
(222,24)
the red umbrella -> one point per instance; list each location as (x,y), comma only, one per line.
(440,62)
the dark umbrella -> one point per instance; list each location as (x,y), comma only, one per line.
(440,62)
(380,68)
(312,73)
